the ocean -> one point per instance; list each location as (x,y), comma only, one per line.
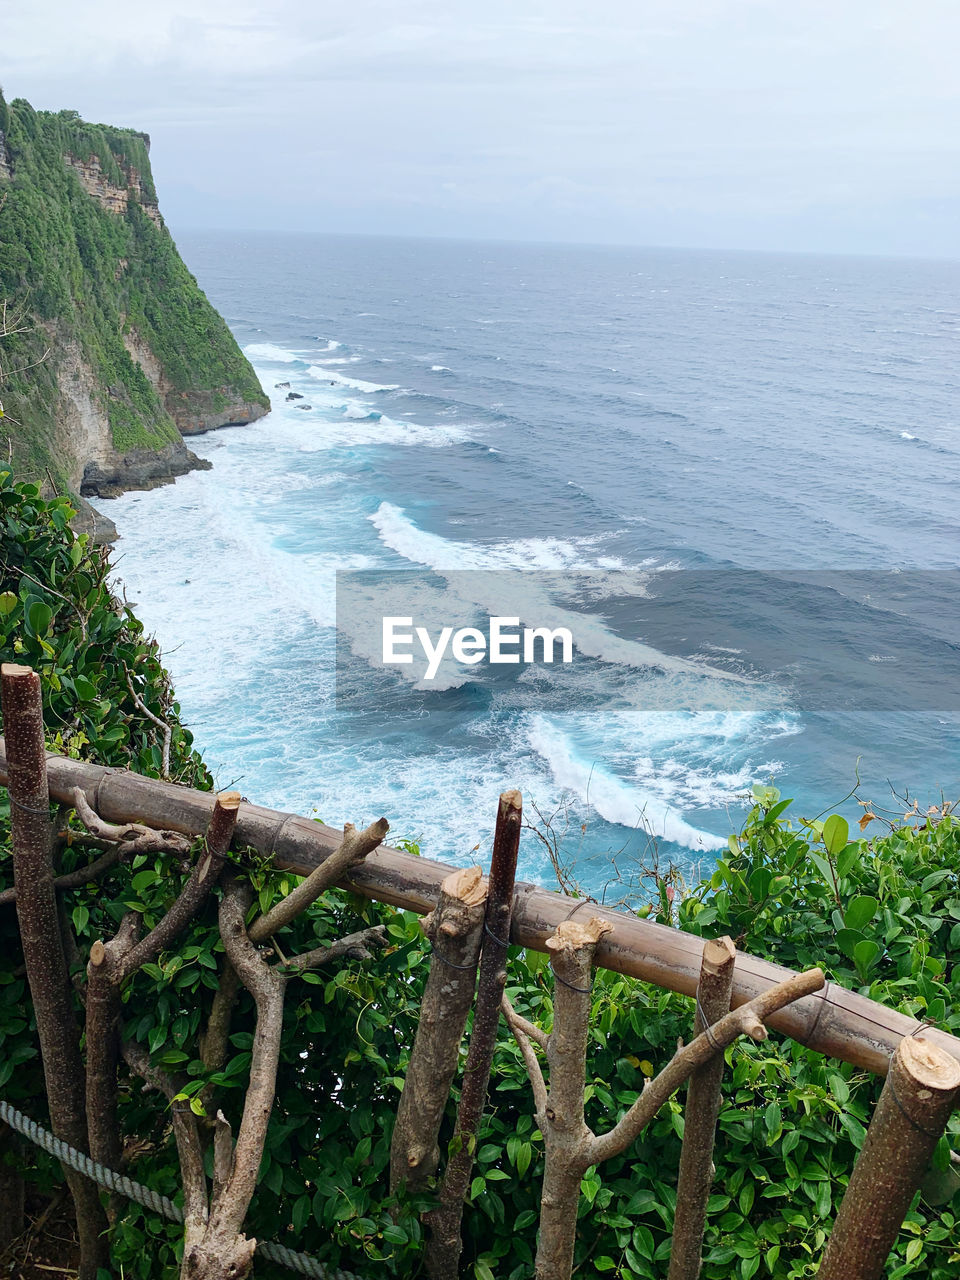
(735,475)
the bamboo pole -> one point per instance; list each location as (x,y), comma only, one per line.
(920,1092)
(700,1116)
(841,1024)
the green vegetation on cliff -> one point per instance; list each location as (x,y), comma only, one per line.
(88,270)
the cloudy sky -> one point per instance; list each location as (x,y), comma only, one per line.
(815,125)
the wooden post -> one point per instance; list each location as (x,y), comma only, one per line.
(919,1094)
(455,929)
(57,1028)
(560,1111)
(112,963)
(700,1115)
(443,1248)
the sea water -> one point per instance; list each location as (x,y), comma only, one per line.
(737,472)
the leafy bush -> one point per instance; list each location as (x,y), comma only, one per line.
(791,1121)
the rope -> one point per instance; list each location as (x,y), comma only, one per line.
(302,1263)
(443,960)
(583,991)
(500,941)
(28,808)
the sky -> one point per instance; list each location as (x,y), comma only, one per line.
(739,124)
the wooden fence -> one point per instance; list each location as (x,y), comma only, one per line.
(838,1023)
(475,920)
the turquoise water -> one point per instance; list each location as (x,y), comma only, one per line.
(596,421)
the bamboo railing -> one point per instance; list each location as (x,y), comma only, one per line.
(838,1023)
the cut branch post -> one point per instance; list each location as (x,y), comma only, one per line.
(560,1117)
(444,1245)
(920,1092)
(112,963)
(570,1146)
(221,1251)
(455,930)
(700,1116)
(58,1031)
(215,1247)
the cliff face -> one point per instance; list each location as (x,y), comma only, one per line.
(109,351)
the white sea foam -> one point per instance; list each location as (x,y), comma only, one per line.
(402,535)
(372,428)
(614,799)
(341,379)
(905,435)
(440,368)
(331,345)
(521,595)
(271,353)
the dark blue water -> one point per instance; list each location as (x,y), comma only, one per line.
(596,420)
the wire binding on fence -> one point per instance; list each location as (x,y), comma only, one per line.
(271,1250)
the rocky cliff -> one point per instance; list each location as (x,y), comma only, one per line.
(109,351)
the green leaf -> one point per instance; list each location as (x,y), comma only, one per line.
(39,617)
(86,691)
(864,955)
(860,912)
(836,833)
(846,859)
(8,602)
(847,940)
(773,1122)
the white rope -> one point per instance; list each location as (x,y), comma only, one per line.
(302,1263)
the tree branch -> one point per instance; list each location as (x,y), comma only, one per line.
(79,876)
(455,928)
(57,1027)
(521,1032)
(748,1019)
(444,1246)
(133,838)
(186,1134)
(353,849)
(163,725)
(700,1116)
(355,946)
(111,964)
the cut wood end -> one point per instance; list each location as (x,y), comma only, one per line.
(229,799)
(578,933)
(718,953)
(929,1065)
(511,800)
(753,1027)
(97,952)
(14,671)
(466,885)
